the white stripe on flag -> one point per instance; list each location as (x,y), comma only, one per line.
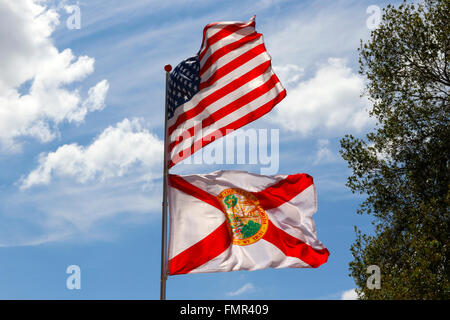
(225,68)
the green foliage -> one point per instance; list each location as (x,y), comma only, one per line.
(403,165)
(230,200)
(250,229)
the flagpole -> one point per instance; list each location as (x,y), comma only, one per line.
(162,296)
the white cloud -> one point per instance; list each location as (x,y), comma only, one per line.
(289,74)
(85,187)
(35,76)
(349,295)
(324,153)
(67,211)
(95,100)
(312,29)
(245,288)
(115,152)
(329,103)
(16,240)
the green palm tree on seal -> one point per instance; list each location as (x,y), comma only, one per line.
(231,202)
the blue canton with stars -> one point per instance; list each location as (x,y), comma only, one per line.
(184,83)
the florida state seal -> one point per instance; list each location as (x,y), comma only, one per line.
(247,220)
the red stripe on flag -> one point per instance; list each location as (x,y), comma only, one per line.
(219,53)
(188,188)
(233,64)
(225,32)
(293,247)
(283,191)
(218,94)
(198,254)
(250,117)
(219,240)
(231,107)
(205,29)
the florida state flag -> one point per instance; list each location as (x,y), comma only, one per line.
(235,220)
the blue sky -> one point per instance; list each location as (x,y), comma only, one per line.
(81,120)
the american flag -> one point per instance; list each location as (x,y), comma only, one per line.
(227,85)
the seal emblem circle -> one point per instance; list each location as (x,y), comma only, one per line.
(247,221)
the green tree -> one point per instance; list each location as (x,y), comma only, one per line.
(402,166)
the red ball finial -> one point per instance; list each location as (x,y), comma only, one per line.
(168,67)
